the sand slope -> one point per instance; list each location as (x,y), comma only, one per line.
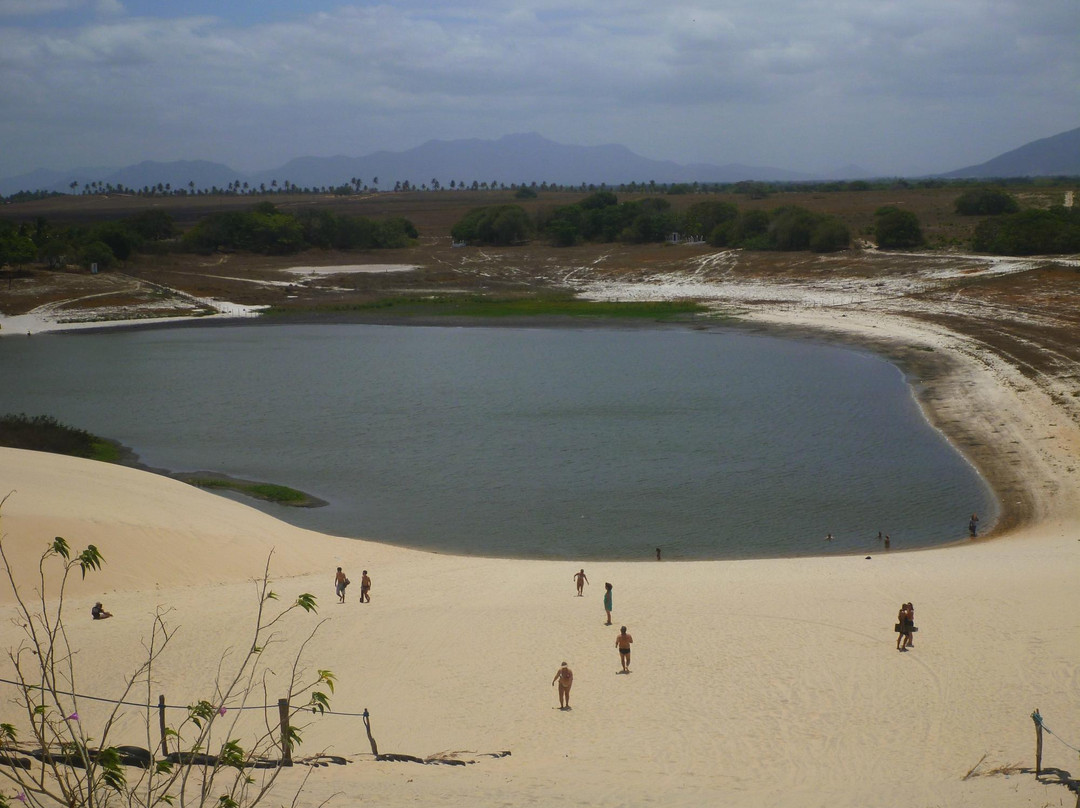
(772,682)
(755,683)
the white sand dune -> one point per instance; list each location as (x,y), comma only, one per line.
(755,683)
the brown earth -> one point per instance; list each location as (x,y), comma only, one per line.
(1029,315)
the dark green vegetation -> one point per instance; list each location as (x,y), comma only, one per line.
(43,433)
(897,229)
(267,491)
(103,243)
(786,229)
(602,218)
(264,229)
(1030,232)
(986,202)
(499,225)
(477,306)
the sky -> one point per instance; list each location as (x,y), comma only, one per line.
(897,87)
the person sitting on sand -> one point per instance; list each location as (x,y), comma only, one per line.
(607,603)
(365,588)
(565,677)
(99,613)
(340,582)
(581,580)
(622,642)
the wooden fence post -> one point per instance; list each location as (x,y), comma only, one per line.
(286,745)
(370,737)
(161,722)
(1038,741)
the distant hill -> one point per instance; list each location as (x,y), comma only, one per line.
(510,159)
(522,158)
(1052,156)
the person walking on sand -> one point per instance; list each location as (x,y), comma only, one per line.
(607,603)
(340,582)
(904,622)
(565,677)
(973,525)
(365,588)
(622,642)
(581,580)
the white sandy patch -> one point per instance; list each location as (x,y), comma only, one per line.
(43,320)
(351,269)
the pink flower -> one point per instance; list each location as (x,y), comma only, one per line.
(21,796)
(72,717)
(221,711)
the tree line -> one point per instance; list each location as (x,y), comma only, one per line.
(262,229)
(601,218)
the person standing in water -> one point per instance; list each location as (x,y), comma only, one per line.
(581,580)
(622,642)
(565,677)
(607,603)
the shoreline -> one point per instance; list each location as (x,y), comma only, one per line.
(756,681)
(935,376)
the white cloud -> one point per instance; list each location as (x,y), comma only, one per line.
(764,81)
(27,8)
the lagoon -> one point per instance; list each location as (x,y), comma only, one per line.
(571,443)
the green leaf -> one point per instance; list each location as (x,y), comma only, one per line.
(319,703)
(232,755)
(307,602)
(90,558)
(328,678)
(60,547)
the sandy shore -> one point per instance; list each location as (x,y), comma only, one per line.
(756,683)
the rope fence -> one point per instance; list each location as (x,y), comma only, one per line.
(282,706)
(1040,728)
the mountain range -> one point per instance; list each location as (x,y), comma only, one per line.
(520,158)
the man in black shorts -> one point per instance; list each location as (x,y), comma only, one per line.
(622,642)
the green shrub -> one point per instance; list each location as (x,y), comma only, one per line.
(986,202)
(897,229)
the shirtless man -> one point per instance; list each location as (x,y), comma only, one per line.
(340,582)
(365,588)
(581,580)
(622,642)
(565,677)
